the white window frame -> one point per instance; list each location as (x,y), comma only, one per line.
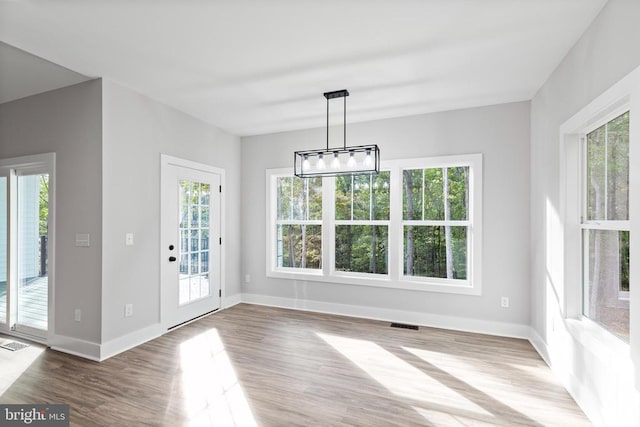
(332,237)
(621,97)
(605,224)
(273,222)
(395,271)
(474,236)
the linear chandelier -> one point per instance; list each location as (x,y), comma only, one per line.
(354,160)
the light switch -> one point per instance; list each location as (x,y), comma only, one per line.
(129,239)
(83,240)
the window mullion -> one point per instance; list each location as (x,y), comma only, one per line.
(328,228)
(395,235)
(606,171)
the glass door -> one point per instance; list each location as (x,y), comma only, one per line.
(191,241)
(4,245)
(32,237)
(26,279)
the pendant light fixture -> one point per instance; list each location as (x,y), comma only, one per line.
(355,160)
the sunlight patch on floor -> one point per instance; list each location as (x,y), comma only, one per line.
(212,393)
(15,363)
(497,384)
(439,418)
(400,377)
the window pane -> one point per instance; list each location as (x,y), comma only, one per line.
(435,251)
(424,193)
(204,194)
(618,168)
(315,198)
(185,194)
(299,199)
(343,197)
(195,263)
(434,194)
(283,197)
(381,185)
(362,248)
(184,241)
(412,194)
(195,193)
(458,179)
(605,299)
(204,216)
(607,177)
(361,197)
(204,262)
(195,241)
(204,240)
(296,240)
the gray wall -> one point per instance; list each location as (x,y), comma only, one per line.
(136,130)
(500,132)
(606,52)
(68,122)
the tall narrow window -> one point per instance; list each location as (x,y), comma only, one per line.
(435,215)
(605,226)
(298,223)
(362,223)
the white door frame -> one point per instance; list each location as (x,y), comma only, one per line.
(165,162)
(45,162)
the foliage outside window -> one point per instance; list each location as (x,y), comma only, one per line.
(299,223)
(435,222)
(605,226)
(415,225)
(362,223)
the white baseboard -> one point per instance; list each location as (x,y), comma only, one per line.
(130,340)
(77,347)
(389,315)
(231,300)
(582,394)
(539,345)
(100,352)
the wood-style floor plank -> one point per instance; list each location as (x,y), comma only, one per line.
(254,365)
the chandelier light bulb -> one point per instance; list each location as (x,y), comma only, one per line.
(305,164)
(335,163)
(320,165)
(352,160)
(367,160)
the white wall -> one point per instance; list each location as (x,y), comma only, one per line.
(136,130)
(68,122)
(607,52)
(500,132)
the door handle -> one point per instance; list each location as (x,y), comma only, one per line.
(172,259)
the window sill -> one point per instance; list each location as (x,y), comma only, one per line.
(379,281)
(598,340)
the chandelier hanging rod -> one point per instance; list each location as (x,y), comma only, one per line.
(343,93)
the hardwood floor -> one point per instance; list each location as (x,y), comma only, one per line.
(253,365)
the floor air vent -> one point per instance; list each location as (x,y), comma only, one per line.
(404,326)
(13,346)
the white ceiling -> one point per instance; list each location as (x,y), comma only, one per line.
(261,66)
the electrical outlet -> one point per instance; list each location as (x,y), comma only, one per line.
(247,278)
(128,239)
(504,302)
(77,315)
(128,310)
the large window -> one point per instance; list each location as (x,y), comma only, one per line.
(605,225)
(299,223)
(362,223)
(415,225)
(435,222)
